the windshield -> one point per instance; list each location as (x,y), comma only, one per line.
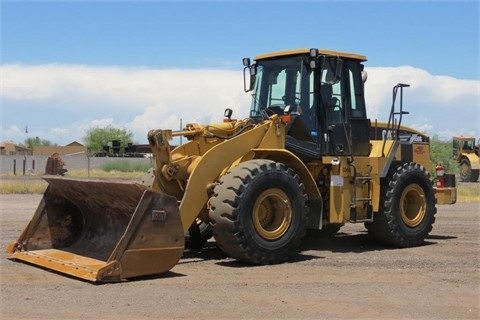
(279,83)
(469,144)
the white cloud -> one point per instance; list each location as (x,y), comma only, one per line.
(439,105)
(100,123)
(425,88)
(72,98)
(154,117)
(135,98)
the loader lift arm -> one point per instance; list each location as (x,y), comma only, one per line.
(191,177)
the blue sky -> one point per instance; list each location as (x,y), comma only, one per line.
(70,65)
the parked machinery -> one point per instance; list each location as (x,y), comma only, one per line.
(467,154)
(302,160)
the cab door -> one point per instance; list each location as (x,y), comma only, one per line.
(346,125)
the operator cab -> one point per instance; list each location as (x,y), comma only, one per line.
(323,92)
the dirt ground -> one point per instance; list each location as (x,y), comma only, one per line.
(345,276)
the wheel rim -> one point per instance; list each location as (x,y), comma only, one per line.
(272,214)
(412,205)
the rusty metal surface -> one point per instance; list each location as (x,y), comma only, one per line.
(102,230)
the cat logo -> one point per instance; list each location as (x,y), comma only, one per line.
(419,150)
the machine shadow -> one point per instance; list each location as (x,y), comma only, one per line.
(340,242)
(209,251)
(317,241)
(439,237)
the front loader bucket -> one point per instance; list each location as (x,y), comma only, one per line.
(102,230)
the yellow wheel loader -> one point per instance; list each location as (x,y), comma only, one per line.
(302,160)
(468,157)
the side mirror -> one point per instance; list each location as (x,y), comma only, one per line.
(249,82)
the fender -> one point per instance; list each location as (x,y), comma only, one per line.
(474,160)
(288,158)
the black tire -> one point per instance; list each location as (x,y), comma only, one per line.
(407,207)
(475,175)
(258,212)
(198,235)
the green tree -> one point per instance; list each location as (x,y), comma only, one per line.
(34,142)
(97,137)
(441,151)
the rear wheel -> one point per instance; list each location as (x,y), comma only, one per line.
(258,212)
(407,210)
(467,174)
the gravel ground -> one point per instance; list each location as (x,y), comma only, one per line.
(344,276)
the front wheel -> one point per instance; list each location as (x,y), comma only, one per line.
(258,212)
(467,174)
(407,211)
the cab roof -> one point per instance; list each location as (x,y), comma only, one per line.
(464,137)
(325,52)
(384,125)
